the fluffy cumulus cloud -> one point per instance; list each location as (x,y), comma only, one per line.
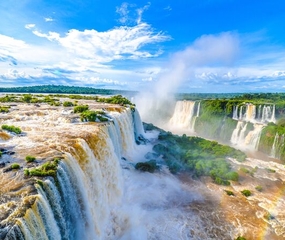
(86,52)
(102,47)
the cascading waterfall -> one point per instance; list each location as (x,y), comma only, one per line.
(274,146)
(198,109)
(250,113)
(249,140)
(241,113)
(184,115)
(235,112)
(278,145)
(89,181)
(273,119)
(138,127)
(238,134)
(260,114)
(253,137)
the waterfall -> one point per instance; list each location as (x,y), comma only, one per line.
(124,130)
(241,113)
(235,112)
(260,114)
(273,119)
(89,183)
(238,134)
(274,146)
(277,146)
(198,109)
(138,127)
(250,112)
(183,115)
(249,140)
(268,114)
(253,137)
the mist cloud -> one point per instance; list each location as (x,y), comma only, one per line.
(208,50)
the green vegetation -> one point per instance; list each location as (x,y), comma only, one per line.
(229,193)
(15,166)
(8,98)
(246,192)
(30,159)
(118,99)
(259,188)
(93,116)
(68,104)
(27,98)
(202,157)
(80,108)
(268,135)
(149,166)
(65,89)
(47,169)
(270,170)
(12,128)
(240,238)
(245,170)
(4,109)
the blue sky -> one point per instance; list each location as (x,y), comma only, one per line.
(183,45)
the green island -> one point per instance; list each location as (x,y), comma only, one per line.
(199,156)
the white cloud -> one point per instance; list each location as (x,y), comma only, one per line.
(168,8)
(103,47)
(30,26)
(140,12)
(49,19)
(123,12)
(13,74)
(10,45)
(148,79)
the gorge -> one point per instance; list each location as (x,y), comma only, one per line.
(83,182)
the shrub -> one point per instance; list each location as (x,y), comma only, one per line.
(240,238)
(15,166)
(93,116)
(229,193)
(80,108)
(27,98)
(245,170)
(88,116)
(68,104)
(233,176)
(47,169)
(270,170)
(148,166)
(26,172)
(259,188)
(4,109)
(11,129)
(30,159)
(246,192)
